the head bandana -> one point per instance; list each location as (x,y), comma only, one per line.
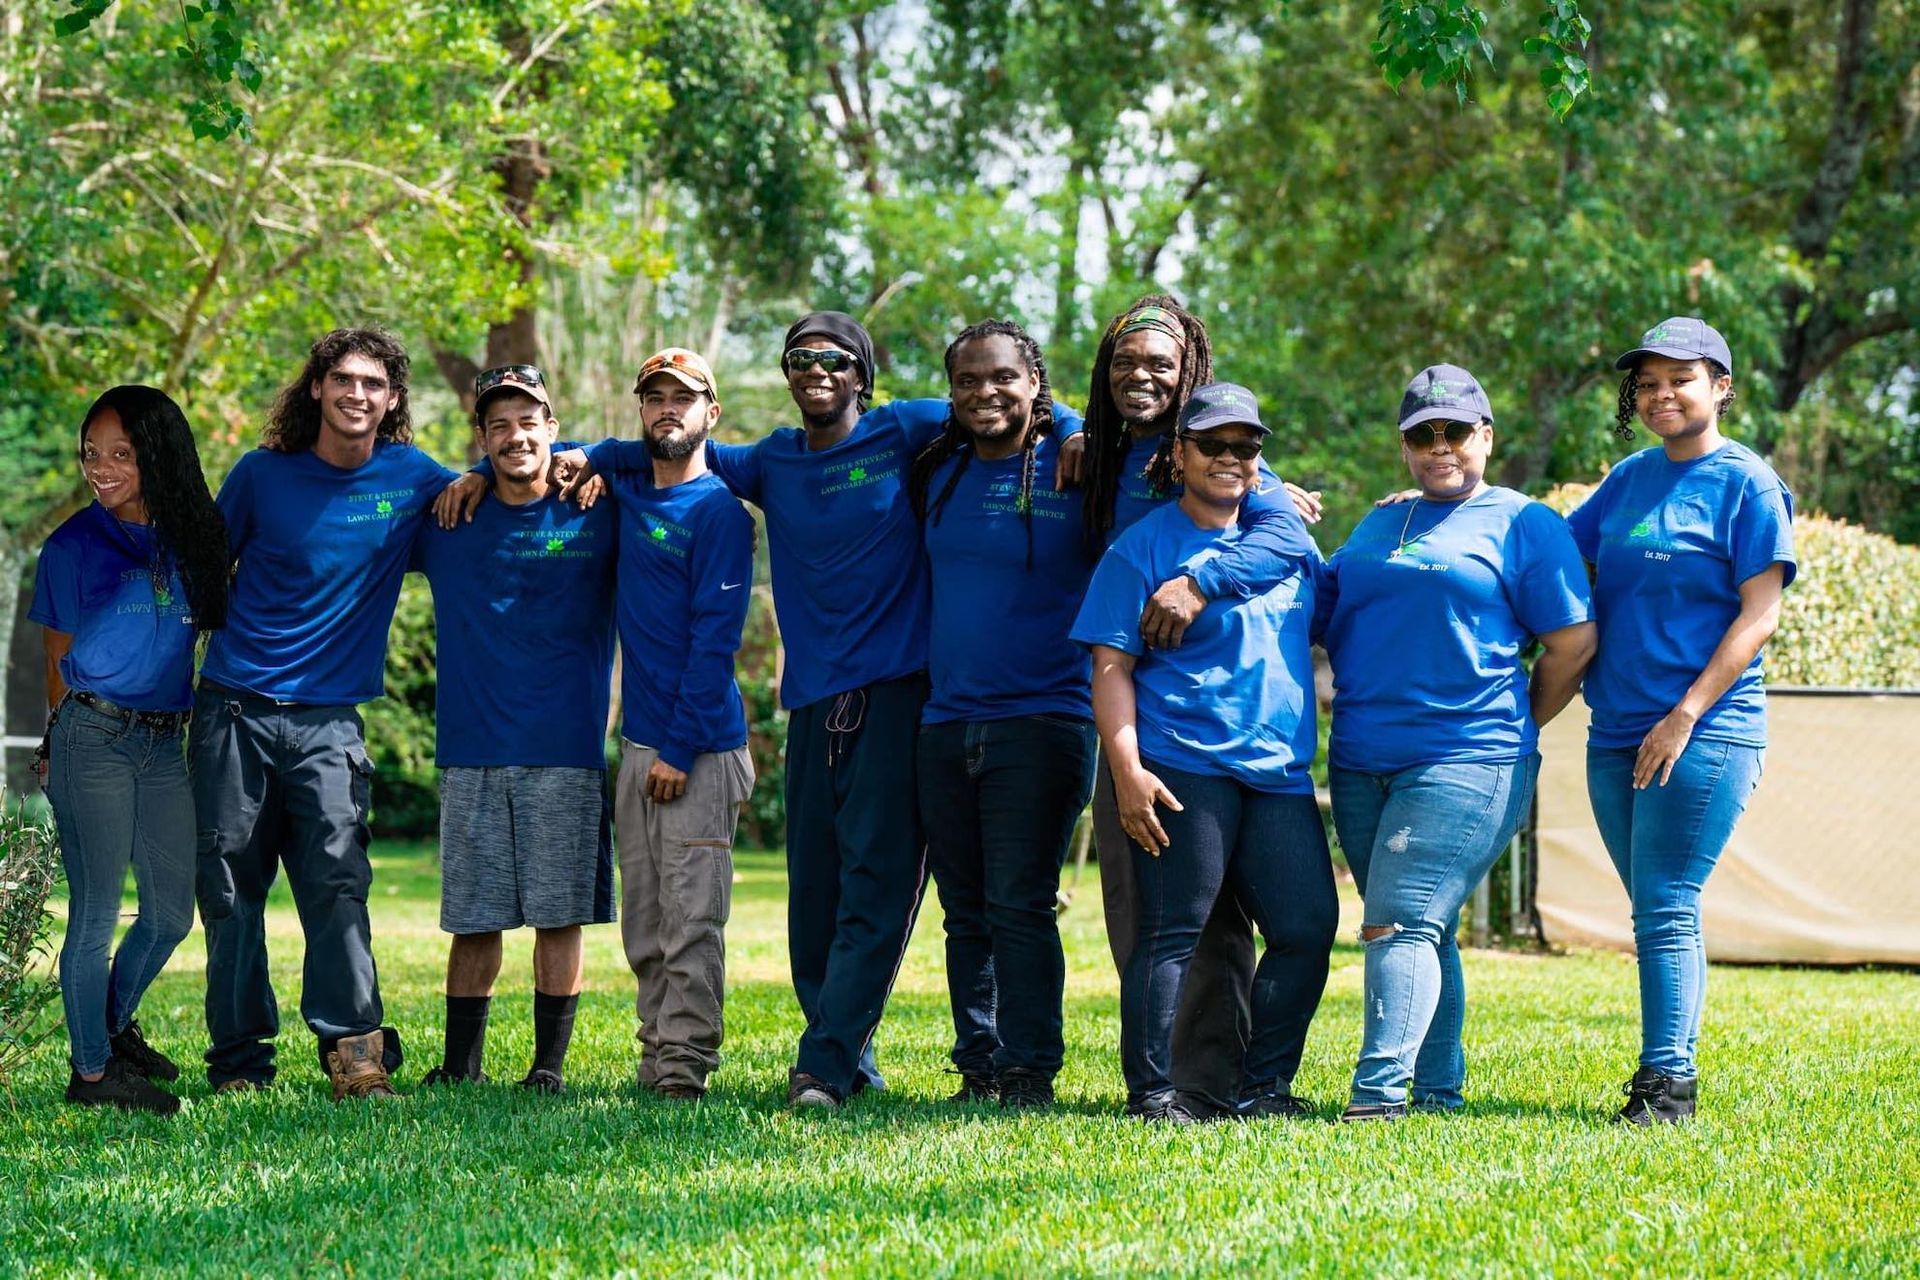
(843,329)
(1158,319)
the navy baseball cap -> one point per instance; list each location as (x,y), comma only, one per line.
(1680,338)
(1446,392)
(1221,404)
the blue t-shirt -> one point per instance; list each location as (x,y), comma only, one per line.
(1426,642)
(1670,543)
(686,578)
(132,638)
(999,645)
(321,551)
(1277,535)
(849,573)
(523,615)
(1236,698)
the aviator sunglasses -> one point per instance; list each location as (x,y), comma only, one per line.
(830,359)
(1213,447)
(1421,435)
(525,374)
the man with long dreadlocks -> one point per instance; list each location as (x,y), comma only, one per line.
(1153,356)
(1006,738)
(850,593)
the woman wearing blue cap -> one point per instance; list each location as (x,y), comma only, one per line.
(1208,745)
(123,590)
(1692,545)
(1425,614)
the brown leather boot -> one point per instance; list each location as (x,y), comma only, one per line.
(355,1067)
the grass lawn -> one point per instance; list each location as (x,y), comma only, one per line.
(1804,1161)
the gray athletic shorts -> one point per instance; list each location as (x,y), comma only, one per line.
(524,845)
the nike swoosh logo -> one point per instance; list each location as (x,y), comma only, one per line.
(728,586)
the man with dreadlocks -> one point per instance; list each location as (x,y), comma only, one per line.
(321,519)
(851,596)
(1154,355)
(1006,738)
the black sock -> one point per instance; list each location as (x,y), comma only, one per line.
(466,1034)
(552,1030)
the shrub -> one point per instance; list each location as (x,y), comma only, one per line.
(29,868)
(1852,617)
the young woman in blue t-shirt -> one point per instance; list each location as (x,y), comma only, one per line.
(1428,609)
(1208,745)
(123,589)
(1692,545)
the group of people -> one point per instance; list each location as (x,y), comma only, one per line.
(993,610)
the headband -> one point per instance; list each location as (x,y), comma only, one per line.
(1158,319)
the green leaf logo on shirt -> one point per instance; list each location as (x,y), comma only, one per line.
(1642,530)
(556,544)
(162,595)
(384,507)
(659,533)
(857,474)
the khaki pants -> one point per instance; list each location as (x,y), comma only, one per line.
(676,888)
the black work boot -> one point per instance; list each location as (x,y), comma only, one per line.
(1022,1088)
(1654,1097)
(975,1087)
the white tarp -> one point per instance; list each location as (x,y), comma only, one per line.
(1824,867)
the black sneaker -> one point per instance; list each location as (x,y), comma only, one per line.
(1654,1097)
(541,1080)
(975,1087)
(440,1075)
(1167,1110)
(132,1048)
(1277,1104)
(1361,1112)
(805,1092)
(1020,1089)
(121,1086)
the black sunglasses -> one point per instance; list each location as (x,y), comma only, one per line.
(830,359)
(1421,435)
(1213,447)
(524,373)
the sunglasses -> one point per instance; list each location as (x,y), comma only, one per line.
(1213,447)
(1421,436)
(830,359)
(519,373)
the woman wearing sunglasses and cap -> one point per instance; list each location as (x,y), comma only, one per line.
(1692,546)
(1209,744)
(1426,613)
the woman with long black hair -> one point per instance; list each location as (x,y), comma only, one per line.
(123,590)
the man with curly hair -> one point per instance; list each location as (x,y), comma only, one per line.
(321,520)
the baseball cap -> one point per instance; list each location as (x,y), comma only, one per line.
(1221,404)
(521,379)
(690,367)
(1444,391)
(1681,338)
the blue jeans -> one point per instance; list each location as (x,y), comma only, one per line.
(120,795)
(1000,799)
(1269,849)
(1418,842)
(1664,841)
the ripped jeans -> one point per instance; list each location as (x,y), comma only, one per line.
(1419,841)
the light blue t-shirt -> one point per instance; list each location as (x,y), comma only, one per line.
(1236,698)
(686,579)
(1670,543)
(523,620)
(321,551)
(1426,642)
(999,645)
(132,637)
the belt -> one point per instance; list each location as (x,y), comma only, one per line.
(165,721)
(246,697)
